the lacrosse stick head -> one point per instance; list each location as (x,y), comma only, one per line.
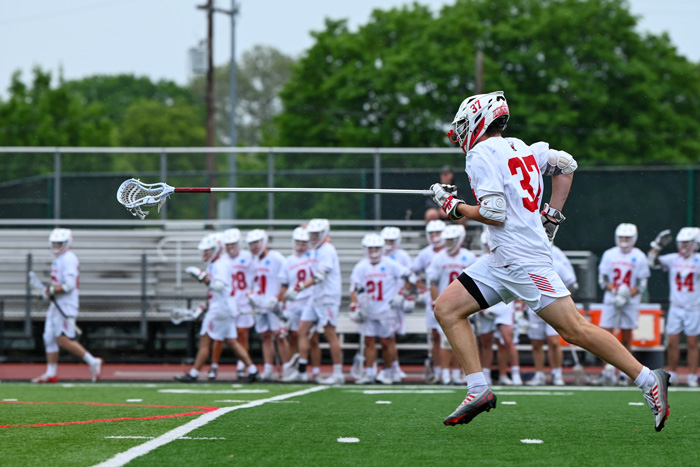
(179,315)
(133,195)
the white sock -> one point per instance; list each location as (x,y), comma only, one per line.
(89,359)
(338,369)
(51,369)
(645,379)
(540,374)
(252,369)
(369,371)
(515,370)
(387,372)
(673,375)
(316,371)
(476,383)
(396,366)
(487,374)
(555,371)
(240,366)
(214,366)
(268,368)
(437,370)
(194,373)
(456,374)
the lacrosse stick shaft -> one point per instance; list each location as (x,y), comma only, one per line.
(36,283)
(368,191)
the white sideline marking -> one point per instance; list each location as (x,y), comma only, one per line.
(273,402)
(531,441)
(383,402)
(215,391)
(401,391)
(153,437)
(509,403)
(138,451)
(533,393)
(134,400)
(9,400)
(348,440)
(635,403)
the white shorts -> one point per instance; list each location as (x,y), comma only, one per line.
(682,321)
(629,316)
(245,321)
(537,285)
(218,328)
(56,325)
(430,320)
(384,328)
(293,312)
(538,328)
(503,315)
(265,322)
(322,314)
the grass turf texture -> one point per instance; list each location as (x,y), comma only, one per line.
(576,427)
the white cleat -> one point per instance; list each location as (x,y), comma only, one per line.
(365,380)
(267,376)
(504,380)
(537,380)
(657,398)
(384,379)
(96,369)
(558,380)
(693,381)
(333,379)
(45,378)
(296,377)
(517,380)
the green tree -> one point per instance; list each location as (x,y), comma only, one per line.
(576,73)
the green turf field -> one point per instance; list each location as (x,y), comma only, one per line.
(301,424)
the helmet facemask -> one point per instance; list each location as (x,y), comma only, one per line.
(233,249)
(433,233)
(475,115)
(373,246)
(211,247)
(687,241)
(626,237)
(60,241)
(257,242)
(453,236)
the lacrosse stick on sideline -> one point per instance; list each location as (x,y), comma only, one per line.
(358,315)
(36,284)
(581,377)
(135,195)
(180,315)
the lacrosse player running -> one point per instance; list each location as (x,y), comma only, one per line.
(381,279)
(622,273)
(267,265)
(325,302)
(539,331)
(219,322)
(393,250)
(444,268)
(684,312)
(506,178)
(433,234)
(296,270)
(241,263)
(59,328)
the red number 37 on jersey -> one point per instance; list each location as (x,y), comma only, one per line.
(527,170)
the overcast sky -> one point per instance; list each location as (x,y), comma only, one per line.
(152,37)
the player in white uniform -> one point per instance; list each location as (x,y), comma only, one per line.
(623,272)
(392,249)
(684,283)
(264,298)
(59,331)
(219,322)
(444,268)
(540,332)
(433,234)
(325,302)
(506,178)
(380,280)
(497,321)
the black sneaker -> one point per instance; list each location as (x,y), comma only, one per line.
(472,406)
(657,398)
(186,378)
(253,377)
(213,372)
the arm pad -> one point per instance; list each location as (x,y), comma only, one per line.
(560,163)
(493,207)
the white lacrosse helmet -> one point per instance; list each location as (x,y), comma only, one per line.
(318,231)
(373,246)
(210,246)
(453,236)
(392,239)
(63,238)
(474,116)
(687,241)
(300,240)
(626,237)
(232,242)
(484,238)
(257,241)
(433,233)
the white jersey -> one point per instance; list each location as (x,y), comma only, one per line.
(221,303)
(66,270)
(444,268)
(381,282)
(423,258)
(623,268)
(401,256)
(297,270)
(684,279)
(267,274)
(510,168)
(563,267)
(242,279)
(326,259)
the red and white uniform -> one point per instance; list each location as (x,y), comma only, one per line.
(684,284)
(631,269)
(325,295)
(381,282)
(420,266)
(444,268)
(267,284)
(520,263)
(219,321)
(402,257)
(297,270)
(242,279)
(65,270)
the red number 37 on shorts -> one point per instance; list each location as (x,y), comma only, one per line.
(527,170)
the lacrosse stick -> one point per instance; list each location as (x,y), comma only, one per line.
(429,371)
(580,374)
(180,315)
(134,194)
(36,284)
(358,362)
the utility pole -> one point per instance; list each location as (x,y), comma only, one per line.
(479,71)
(210,163)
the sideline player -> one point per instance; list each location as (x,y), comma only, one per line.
(684,283)
(506,178)
(59,331)
(444,268)
(433,234)
(267,265)
(325,302)
(220,311)
(623,274)
(381,279)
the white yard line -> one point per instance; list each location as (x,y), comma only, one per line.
(137,451)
